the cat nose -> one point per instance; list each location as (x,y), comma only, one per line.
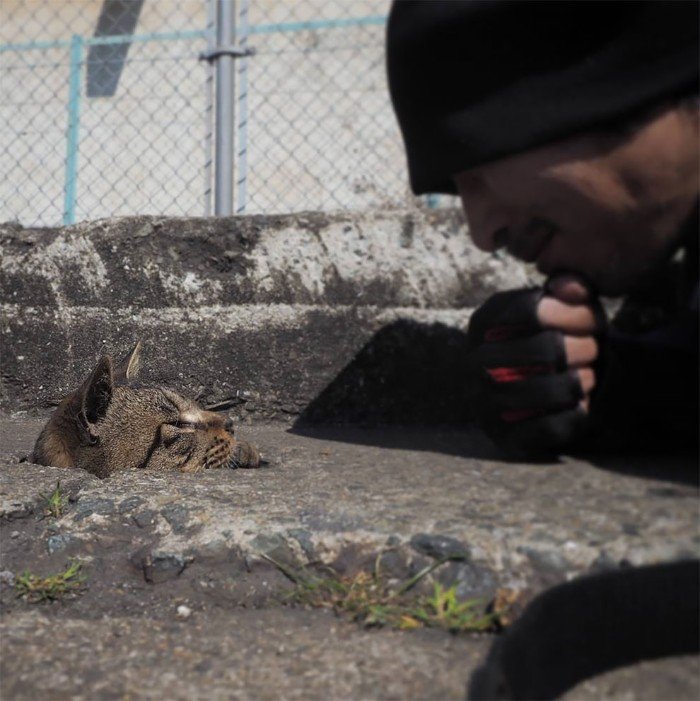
(228,425)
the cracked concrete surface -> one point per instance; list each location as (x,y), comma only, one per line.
(264,311)
(353,319)
(151,543)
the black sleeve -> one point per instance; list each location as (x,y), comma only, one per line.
(648,398)
(648,395)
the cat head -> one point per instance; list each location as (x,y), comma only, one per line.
(112,423)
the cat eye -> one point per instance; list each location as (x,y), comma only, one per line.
(185,424)
(179,433)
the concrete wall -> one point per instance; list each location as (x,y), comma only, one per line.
(140,150)
(344,317)
(320,133)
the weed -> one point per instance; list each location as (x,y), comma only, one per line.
(442,609)
(55,503)
(35,588)
(369,599)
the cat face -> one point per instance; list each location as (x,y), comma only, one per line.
(111,424)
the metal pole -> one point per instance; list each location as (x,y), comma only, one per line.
(73,131)
(225,35)
(209,111)
(242,132)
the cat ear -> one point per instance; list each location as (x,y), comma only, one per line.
(97,392)
(128,368)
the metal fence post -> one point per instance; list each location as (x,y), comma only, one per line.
(209,111)
(225,35)
(73,130)
(242,129)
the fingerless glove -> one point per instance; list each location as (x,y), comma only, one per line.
(523,393)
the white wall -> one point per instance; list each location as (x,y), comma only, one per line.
(320,130)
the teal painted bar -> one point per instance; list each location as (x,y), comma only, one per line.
(198,34)
(106,40)
(317,24)
(35,46)
(136,38)
(73,131)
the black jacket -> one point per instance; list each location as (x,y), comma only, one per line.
(649,392)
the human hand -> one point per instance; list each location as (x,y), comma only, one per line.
(533,362)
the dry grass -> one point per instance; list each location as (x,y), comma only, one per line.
(369,599)
(35,589)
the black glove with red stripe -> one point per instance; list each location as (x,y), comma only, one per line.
(534,364)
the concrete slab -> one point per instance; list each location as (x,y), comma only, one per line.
(153,542)
(267,655)
(231,310)
(332,490)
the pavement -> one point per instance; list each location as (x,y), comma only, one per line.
(344,497)
(306,328)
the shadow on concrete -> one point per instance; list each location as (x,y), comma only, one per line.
(407,374)
(667,467)
(407,389)
(465,442)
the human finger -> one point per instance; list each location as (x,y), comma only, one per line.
(577,320)
(586,378)
(548,433)
(506,315)
(540,394)
(569,287)
(521,357)
(580,350)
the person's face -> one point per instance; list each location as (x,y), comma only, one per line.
(606,206)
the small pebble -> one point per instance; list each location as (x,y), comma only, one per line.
(184,611)
(14,534)
(7,577)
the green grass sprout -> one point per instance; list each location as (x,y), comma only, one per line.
(55,503)
(36,589)
(369,599)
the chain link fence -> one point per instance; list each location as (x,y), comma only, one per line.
(108,109)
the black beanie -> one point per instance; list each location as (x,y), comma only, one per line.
(477,80)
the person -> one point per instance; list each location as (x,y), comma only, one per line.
(570,131)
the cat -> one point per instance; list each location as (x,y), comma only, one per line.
(111,423)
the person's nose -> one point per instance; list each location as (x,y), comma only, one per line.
(485,237)
(487,219)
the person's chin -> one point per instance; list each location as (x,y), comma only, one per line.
(602,272)
(614,283)
(601,283)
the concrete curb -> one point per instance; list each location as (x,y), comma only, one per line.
(265,311)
